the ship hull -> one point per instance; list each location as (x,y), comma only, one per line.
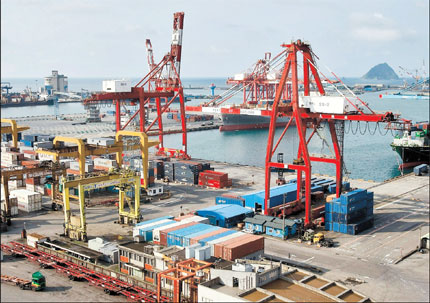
(233,122)
(21,104)
(413,155)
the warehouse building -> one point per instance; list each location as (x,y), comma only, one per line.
(227,215)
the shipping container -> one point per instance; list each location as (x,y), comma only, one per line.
(214,243)
(164,233)
(156,233)
(197,239)
(228,199)
(204,230)
(117,86)
(177,237)
(241,249)
(204,241)
(218,247)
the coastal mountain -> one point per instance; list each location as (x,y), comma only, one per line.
(381,72)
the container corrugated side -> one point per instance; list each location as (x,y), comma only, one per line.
(243,248)
(164,233)
(137,227)
(176,237)
(206,229)
(157,231)
(148,232)
(219,247)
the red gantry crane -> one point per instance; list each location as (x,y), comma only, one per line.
(161,83)
(308,110)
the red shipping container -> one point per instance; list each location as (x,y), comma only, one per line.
(27,163)
(104,168)
(72,172)
(318,212)
(219,247)
(243,248)
(163,233)
(196,240)
(33,181)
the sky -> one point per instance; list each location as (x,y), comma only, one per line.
(106,38)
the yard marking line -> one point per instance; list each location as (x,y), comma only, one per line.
(379,229)
(307,260)
(401,235)
(389,203)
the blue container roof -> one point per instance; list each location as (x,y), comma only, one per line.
(187,230)
(153,220)
(274,191)
(204,230)
(224,210)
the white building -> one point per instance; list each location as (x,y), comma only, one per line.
(56,82)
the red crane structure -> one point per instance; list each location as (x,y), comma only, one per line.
(161,83)
(309,110)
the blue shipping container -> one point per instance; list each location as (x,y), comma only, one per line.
(205,230)
(229,200)
(221,235)
(336,227)
(353,206)
(328,225)
(353,196)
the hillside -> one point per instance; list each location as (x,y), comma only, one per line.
(381,72)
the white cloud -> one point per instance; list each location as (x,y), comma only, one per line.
(374,27)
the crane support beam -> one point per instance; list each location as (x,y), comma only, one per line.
(12,129)
(76,229)
(144,146)
(303,116)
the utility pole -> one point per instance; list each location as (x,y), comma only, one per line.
(283,218)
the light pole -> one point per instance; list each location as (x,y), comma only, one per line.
(283,217)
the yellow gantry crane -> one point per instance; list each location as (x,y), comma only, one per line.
(76,227)
(13,129)
(82,150)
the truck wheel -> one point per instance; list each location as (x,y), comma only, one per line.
(8,222)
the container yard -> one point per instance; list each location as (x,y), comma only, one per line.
(106,206)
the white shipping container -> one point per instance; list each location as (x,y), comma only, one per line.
(327,104)
(5,149)
(136,229)
(117,86)
(105,162)
(156,232)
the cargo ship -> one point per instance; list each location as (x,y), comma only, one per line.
(413,145)
(232,122)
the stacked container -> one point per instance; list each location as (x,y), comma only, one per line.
(350,213)
(169,170)
(28,201)
(214,179)
(187,171)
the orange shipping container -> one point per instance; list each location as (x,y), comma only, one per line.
(243,248)
(219,247)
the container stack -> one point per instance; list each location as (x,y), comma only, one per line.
(188,171)
(169,171)
(351,213)
(13,202)
(28,201)
(34,184)
(214,179)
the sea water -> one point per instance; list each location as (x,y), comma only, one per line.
(366,156)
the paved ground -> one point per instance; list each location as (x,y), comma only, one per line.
(402,210)
(77,127)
